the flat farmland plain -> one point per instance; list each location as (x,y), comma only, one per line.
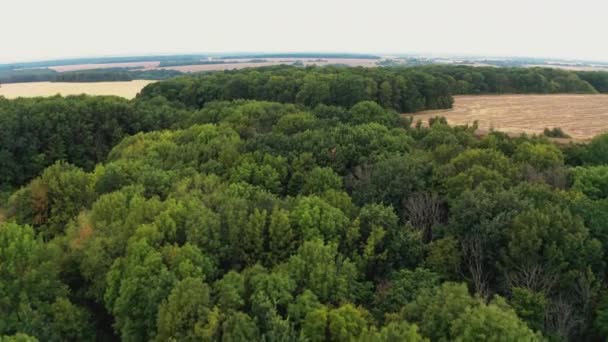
(231,64)
(580,116)
(126,89)
(79,67)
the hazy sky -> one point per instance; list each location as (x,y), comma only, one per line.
(44,29)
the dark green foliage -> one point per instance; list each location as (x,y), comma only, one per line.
(400,88)
(403,90)
(78,129)
(555,132)
(486,80)
(157,220)
(9,75)
(599,80)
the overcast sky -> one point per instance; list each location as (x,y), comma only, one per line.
(44,29)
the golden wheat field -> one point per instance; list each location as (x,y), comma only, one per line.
(123,89)
(580,116)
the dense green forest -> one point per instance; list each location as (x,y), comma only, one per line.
(405,89)
(91,75)
(199,212)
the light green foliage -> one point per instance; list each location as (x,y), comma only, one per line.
(476,168)
(293,123)
(492,322)
(53,199)
(530,307)
(136,284)
(592,181)
(393,332)
(377,224)
(187,312)
(319,180)
(320,268)
(539,156)
(33,299)
(303,304)
(239,327)
(345,323)
(449,313)
(435,309)
(313,218)
(280,236)
(229,291)
(19,337)
(368,111)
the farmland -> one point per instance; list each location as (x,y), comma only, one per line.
(580,116)
(229,64)
(123,89)
(77,67)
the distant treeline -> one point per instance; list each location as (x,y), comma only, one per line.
(491,80)
(181,62)
(109,75)
(304,55)
(26,75)
(99,60)
(93,75)
(404,89)
(169,58)
(599,80)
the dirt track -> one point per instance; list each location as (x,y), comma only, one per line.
(580,116)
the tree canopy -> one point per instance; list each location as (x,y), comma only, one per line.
(179,217)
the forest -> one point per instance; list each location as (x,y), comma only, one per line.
(299,204)
(404,89)
(90,75)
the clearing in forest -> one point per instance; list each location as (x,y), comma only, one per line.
(580,116)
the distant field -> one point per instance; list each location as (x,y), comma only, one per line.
(229,65)
(580,116)
(241,63)
(123,89)
(76,67)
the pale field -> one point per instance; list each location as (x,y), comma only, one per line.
(580,116)
(569,67)
(75,67)
(272,61)
(123,89)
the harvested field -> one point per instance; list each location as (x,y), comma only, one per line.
(570,67)
(245,63)
(124,89)
(76,67)
(217,67)
(580,116)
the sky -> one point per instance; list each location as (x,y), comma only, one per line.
(44,29)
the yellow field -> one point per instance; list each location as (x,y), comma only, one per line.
(580,116)
(124,89)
